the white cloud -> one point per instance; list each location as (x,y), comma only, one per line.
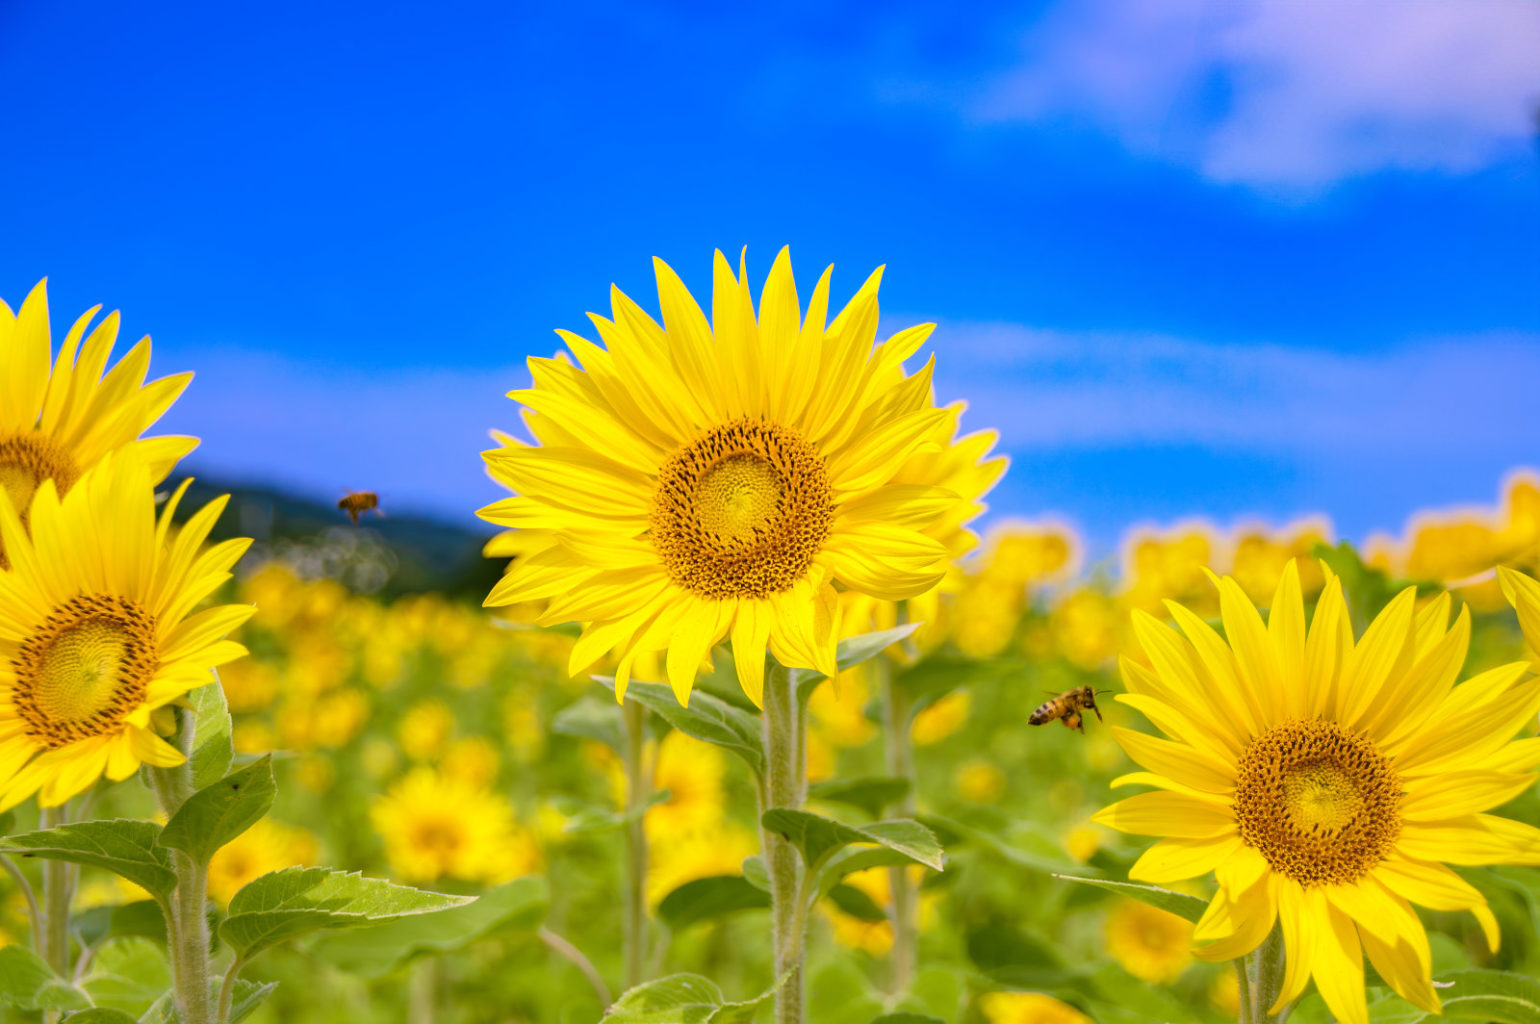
(1440,398)
(1287,94)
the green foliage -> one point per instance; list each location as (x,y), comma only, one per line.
(907,1018)
(592,718)
(27,983)
(709,898)
(373,950)
(295,901)
(856,903)
(213,750)
(127,848)
(682,999)
(128,975)
(707,718)
(869,793)
(850,652)
(101,1015)
(218,813)
(1179,903)
(817,837)
(248,996)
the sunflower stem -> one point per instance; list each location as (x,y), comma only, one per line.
(785,786)
(1263,981)
(59,879)
(187,917)
(638,792)
(900,763)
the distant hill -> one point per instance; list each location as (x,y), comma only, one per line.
(402,553)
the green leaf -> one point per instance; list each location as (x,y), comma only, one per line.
(707,898)
(143,918)
(1499,997)
(27,982)
(285,904)
(1182,905)
(128,975)
(590,718)
(213,749)
(247,996)
(907,1018)
(674,999)
(755,873)
(818,837)
(856,903)
(589,820)
(872,794)
(707,718)
(216,814)
(101,1015)
(125,847)
(849,861)
(1013,957)
(376,949)
(851,652)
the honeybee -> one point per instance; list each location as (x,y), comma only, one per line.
(356,503)
(1067,708)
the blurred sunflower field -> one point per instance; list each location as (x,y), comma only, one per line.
(886,800)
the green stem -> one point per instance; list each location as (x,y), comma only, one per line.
(1262,981)
(227,990)
(34,912)
(561,947)
(59,879)
(420,986)
(187,922)
(1244,991)
(897,711)
(785,786)
(638,792)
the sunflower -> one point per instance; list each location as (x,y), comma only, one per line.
(1327,783)
(1524,594)
(97,628)
(435,826)
(701,480)
(267,846)
(59,417)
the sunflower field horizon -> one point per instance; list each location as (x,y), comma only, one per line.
(1029,515)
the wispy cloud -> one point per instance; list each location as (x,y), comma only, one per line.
(1284,94)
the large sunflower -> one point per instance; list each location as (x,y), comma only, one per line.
(700,480)
(97,628)
(1326,782)
(59,417)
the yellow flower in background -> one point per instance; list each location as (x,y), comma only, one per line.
(941,719)
(700,480)
(1524,594)
(1149,943)
(837,708)
(874,937)
(1161,565)
(266,846)
(61,416)
(1028,1008)
(692,771)
(980,782)
(425,729)
(1260,555)
(249,685)
(1326,782)
(97,628)
(1082,841)
(438,827)
(985,617)
(1085,628)
(1023,553)
(473,760)
(697,851)
(1225,993)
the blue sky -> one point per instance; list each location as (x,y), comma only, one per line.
(1251,259)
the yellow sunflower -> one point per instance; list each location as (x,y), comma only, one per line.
(1524,594)
(1326,782)
(58,417)
(700,480)
(435,826)
(97,628)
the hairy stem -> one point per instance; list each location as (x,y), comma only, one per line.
(227,990)
(785,786)
(900,763)
(59,879)
(1262,981)
(638,792)
(187,920)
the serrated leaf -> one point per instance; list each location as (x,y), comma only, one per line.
(755,873)
(850,652)
(855,903)
(707,718)
(674,999)
(125,847)
(708,898)
(849,861)
(213,749)
(373,950)
(872,793)
(218,813)
(1498,997)
(1190,908)
(590,718)
(818,837)
(295,901)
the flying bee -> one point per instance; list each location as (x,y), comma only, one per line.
(1067,708)
(356,503)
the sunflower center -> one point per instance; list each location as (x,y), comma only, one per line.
(84,668)
(741,511)
(26,460)
(1318,801)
